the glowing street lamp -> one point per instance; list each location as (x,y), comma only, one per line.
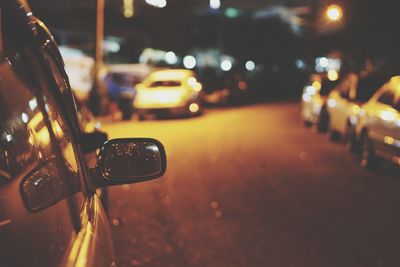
(334,13)
(157,3)
(215,4)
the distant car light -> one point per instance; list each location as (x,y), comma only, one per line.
(310,90)
(157,3)
(331,103)
(317,85)
(356,109)
(226,65)
(215,4)
(197,87)
(333,75)
(192,81)
(242,85)
(306,97)
(171,58)
(189,62)
(387,115)
(194,108)
(250,65)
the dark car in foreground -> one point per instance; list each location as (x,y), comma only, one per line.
(50,213)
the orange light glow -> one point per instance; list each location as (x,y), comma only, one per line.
(388,140)
(242,85)
(334,13)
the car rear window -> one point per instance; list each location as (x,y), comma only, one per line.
(165,84)
(367,86)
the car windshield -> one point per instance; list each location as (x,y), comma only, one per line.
(165,84)
(367,86)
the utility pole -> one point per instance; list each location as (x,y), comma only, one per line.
(96,98)
(99,34)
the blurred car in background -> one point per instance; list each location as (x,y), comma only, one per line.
(169,92)
(345,101)
(313,104)
(120,81)
(378,127)
(79,68)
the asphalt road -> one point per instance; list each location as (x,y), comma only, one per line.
(251,186)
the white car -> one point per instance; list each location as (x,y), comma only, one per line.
(378,127)
(345,101)
(313,102)
(169,92)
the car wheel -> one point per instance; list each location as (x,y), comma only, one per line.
(126,116)
(368,157)
(323,121)
(351,138)
(334,136)
(307,123)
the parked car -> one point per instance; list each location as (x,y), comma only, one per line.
(344,104)
(79,68)
(51,214)
(378,127)
(121,80)
(313,104)
(169,92)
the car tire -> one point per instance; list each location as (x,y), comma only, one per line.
(368,158)
(323,121)
(307,123)
(126,116)
(334,135)
(351,139)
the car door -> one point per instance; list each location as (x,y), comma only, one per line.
(40,196)
(338,104)
(93,240)
(382,121)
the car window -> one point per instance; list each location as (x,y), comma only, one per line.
(61,81)
(396,101)
(387,97)
(367,86)
(165,84)
(343,87)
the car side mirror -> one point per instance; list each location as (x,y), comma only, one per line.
(90,142)
(130,160)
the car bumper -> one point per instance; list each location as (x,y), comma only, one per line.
(163,111)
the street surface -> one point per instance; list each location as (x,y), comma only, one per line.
(251,186)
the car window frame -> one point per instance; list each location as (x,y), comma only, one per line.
(386,89)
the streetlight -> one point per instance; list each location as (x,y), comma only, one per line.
(157,3)
(334,13)
(215,4)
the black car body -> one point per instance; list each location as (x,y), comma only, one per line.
(50,213)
